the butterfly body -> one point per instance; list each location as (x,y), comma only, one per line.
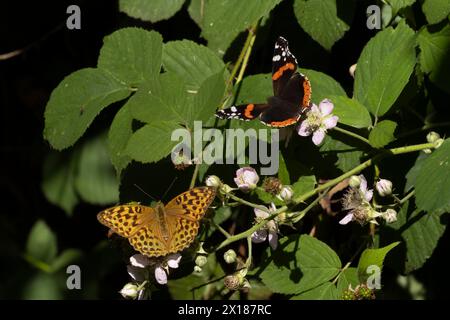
(292,93)
(162,229)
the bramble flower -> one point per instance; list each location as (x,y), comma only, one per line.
(318,121)
(246,178)
(162,269)
(269,231)
(272,185)
(357,200)
(384,187)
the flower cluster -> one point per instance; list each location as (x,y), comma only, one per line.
(269,231)
(357,201)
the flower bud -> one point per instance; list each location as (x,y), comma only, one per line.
(384,187)
(390,215)
(129,291)
(286,193)
(201,261)
(352,70)
(433,136)
(438,143)
(354,181)
(213,181)
(197,269)
(229,256)
(246,178)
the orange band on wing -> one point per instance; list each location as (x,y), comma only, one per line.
(280,71)
(283,123)
(248,111)
(306,93)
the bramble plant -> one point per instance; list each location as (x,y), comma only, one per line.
(363,178)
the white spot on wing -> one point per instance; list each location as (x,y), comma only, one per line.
(276,58)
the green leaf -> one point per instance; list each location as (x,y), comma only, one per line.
(152,142)
(76,101)
(153,11)
(96,181)
(283,172)
(397,5)
(66,258)
(58,179)
(326,291)
(434,52)
(346,156)
(348,277)
(411,176)
(132,55)
(118,136)
(382,133)
(163,98)
(208,98)
(195,11)
(420,233)
(190,61)
(303,185)
(436,10)
(300,264)
(433,181)
(225,19)
(320,19)
(371,257)
(323,86)
(351,112)
(42,244)
(384,68)
(222,214)
(44,286)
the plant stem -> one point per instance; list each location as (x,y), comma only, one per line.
(248,262)
(194,175)
(247,203)
(252,34)
(352,134)
(348,264)
(302,198)
(222,230)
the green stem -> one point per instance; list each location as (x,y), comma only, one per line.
(222,230)
(348,264)
(352,134)
(252,33)
(331,183)
(239,61)
(194,175)
(407,197)
(297,217)
(247,203)
(248,262)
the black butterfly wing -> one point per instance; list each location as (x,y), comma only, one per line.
(284,65)
(281,113)
(242,112)
(297,91)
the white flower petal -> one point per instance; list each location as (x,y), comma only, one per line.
(273,240)
(326,107)
(138,274)
(348,218)
(314,109)
(330,122)
(139,260)
(368,195)
(318,136)
(304,129)
(363,184)
(261,213)
(173,260)
(160,275)
(259,236)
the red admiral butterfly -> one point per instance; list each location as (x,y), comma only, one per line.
(292,93)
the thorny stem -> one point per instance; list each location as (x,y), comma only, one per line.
(331,183)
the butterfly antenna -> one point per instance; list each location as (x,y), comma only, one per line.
(170,187)
(145,192)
